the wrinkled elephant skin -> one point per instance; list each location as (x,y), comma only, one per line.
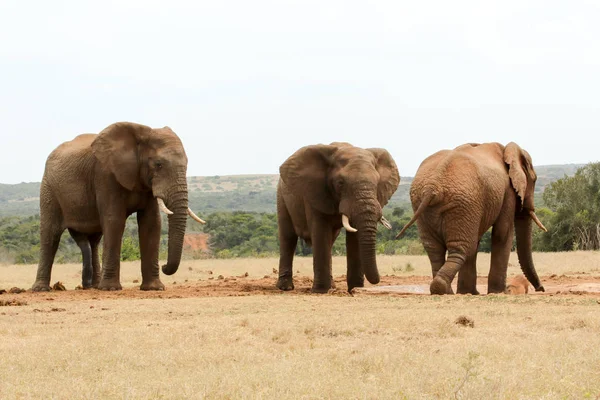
(91,185)
(321,189)
(457,195)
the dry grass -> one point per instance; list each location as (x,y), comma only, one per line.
(298,346)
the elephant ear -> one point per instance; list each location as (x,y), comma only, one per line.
(389,178)
(305,173)
(521,173)
(116,148)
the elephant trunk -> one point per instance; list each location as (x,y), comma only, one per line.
(177,200)
(524,246)
(366,223)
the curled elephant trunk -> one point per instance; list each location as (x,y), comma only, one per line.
(177,223)
(366,224)
(523,233)
(366,241)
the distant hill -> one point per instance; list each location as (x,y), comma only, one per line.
(209,194)
(20,199)
(549,173)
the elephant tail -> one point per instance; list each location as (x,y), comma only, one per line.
(424,204)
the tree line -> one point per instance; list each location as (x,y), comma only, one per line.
(569,208)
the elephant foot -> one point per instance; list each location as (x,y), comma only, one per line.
(285,283)
(321,288)
(93,285)
(106,284)
(468,291)
(154,284)
(492,290)
(440,286)
(355,283)
(87,285)
(41,287)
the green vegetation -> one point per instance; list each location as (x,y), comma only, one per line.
(232,234)
(241,219)
(573,213)
(20,242)
(242,234)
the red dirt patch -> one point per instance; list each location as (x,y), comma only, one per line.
(195,242)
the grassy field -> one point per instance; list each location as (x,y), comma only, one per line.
(187,343)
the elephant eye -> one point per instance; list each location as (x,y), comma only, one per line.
(158,165)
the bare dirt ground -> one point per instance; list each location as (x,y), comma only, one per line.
(575,273)
(222,330)
(244,286)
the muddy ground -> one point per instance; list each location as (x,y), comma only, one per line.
(243,286)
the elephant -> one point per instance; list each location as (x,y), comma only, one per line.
(457,195)
(90,186)
(322,188)
(517,285)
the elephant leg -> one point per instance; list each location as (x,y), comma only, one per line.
(437,258)
(355,275)
(442,281)
(112,230)
(458,254)
(149,235)
(94,239)
(434,247)
(51,230)
(288,241)
(86,253)
(502,235)
(334,234)
(467,276)
(49,241)
(322,240)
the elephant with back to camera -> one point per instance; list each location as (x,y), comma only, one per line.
(91,185)
(457,195)
(322,188)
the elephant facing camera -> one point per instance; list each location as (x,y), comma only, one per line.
(323,188)
(90,186)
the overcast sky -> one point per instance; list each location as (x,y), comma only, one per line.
(246,83)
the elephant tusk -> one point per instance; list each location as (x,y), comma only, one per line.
(163,208)
(195,217)
(537,221)
(385,222)
(346,224)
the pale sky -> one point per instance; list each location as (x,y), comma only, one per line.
(246,83)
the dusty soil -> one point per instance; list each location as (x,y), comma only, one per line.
(195,241)
(243,286)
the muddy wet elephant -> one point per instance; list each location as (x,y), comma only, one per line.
(91,185)
(321,189)
(457,195)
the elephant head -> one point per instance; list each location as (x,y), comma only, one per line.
(346,181)
(522,178)
(144,159)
